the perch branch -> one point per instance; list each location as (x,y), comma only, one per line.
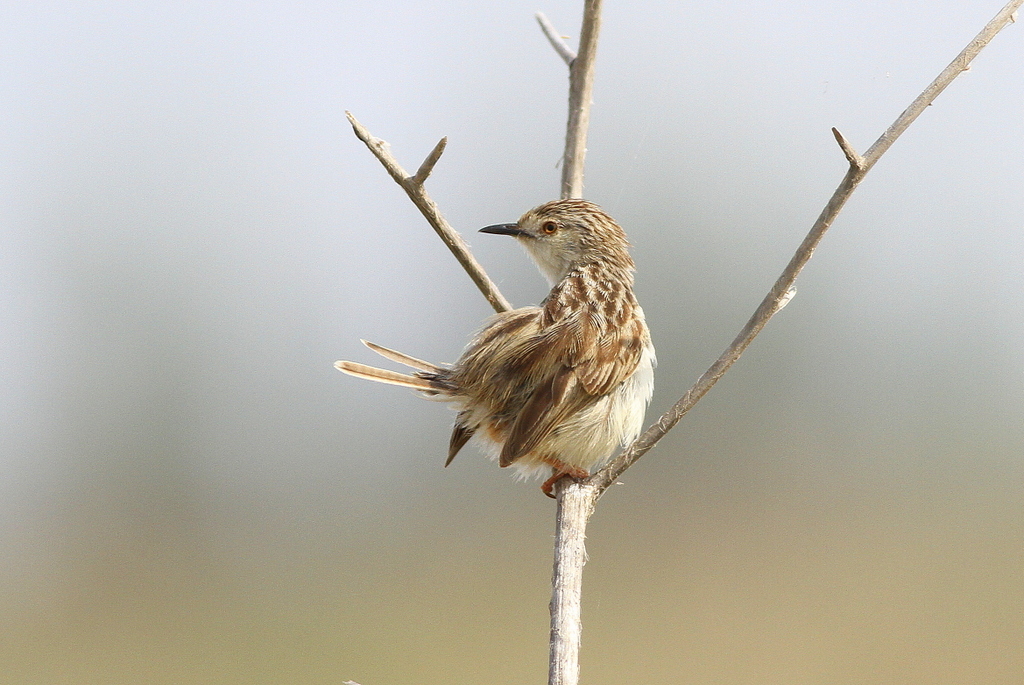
(556,40)
(413,186)
(576,500)
(859,167)
(575,505)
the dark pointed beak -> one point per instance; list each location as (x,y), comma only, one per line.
(504,229)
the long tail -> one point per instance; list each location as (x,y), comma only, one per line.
(428,380)
(371,373)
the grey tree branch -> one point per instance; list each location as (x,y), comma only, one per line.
(575,505)
(413,186)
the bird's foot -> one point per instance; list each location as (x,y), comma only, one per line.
(563,471)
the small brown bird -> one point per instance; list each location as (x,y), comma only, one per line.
(556,386)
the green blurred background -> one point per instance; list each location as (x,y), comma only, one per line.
(190,493)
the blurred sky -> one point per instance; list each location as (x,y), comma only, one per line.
(189,492)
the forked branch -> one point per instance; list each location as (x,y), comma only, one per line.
(781,291)
(581,92)
(413,186)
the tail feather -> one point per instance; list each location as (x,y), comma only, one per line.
(384,376)
(401,358)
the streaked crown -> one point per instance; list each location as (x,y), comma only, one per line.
(564,234)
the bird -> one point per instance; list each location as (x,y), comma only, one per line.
(557,387)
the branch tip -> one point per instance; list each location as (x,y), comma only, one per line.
(556,40)
(852,157)
(361,132)
(429,162)
(581,89)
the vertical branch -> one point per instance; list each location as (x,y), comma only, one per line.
(575,501)
(581,90)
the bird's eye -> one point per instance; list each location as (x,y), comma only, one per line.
(549,227)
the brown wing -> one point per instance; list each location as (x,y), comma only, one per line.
(561,357)
(593,360)
(553,401)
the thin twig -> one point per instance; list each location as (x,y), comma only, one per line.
(556,40)
(859,167)
(429,162)
(960,64)
(413,186)
(581,91)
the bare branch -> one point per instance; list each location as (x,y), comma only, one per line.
(413,186)
(581,91)
(576,500)
(556,40)
(859,167)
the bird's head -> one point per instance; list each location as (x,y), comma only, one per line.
(563,234)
